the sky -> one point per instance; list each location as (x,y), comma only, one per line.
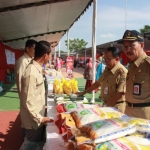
(113,17)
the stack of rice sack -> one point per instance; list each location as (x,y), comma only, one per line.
(103,129)
(80,116)
(65,86)
(123,133)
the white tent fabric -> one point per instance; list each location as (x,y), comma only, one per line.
(22,21)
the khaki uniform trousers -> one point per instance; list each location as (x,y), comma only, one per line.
(138,112)
(121,106)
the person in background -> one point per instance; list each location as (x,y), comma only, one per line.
(23,62)
(112,81)
(32,103)
(58,64)
(138,78)
(101,66)
(88,74)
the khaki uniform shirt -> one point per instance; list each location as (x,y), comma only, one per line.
(20,67)
(112,82)
(32,104)
(138,80)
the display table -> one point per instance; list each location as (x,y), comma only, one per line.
(53,139)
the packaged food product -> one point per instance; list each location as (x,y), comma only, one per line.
(108,129)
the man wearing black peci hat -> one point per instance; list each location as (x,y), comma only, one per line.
(138,78)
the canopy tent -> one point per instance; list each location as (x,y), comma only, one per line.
(40,20)
(37,19)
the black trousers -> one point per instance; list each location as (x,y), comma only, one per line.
(34,135)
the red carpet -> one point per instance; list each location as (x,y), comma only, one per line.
(10,135)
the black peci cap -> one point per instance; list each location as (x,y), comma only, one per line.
(132,35)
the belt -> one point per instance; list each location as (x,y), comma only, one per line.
(138,104)
(120,102)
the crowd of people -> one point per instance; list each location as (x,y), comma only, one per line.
(126,89)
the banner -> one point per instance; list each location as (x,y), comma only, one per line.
(10,57)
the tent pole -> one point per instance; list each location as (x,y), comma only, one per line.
(68,42)
(59,49)
(94,46)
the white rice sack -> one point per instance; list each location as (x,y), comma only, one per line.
(108,129)
(72,106)
(124,143)
(87,115)
(91,106)
(142,125)
(112,112)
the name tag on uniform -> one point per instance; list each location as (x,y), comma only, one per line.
(106,90)
(136,89)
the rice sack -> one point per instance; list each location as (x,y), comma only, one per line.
(108,129)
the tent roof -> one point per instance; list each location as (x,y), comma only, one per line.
(40,20)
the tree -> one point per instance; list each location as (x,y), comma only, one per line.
(76,45)
(145,29)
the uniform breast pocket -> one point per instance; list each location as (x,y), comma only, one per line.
(111,86)
(140,84)
(39,85)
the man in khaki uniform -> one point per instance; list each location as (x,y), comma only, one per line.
(138,78)
(32,103)
(112,81)
(23,62)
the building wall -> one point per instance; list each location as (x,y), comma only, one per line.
(3,63)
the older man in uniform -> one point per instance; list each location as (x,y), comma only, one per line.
(138,78)
(112,81)
(32,103)
(23,62)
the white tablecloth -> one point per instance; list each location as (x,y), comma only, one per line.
(53,139)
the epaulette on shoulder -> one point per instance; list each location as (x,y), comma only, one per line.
(120,70)
(148,59)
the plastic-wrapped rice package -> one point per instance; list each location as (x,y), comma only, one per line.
(71,106)
(112,112)
(124,143)
(108,129)
(68,107)
(142,125)
(91,106)
(88,115)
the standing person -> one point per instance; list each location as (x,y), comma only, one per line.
(112,81)
(58,64)
(32,104)
(100,67)
(88,74)
(23,62)
(138,78)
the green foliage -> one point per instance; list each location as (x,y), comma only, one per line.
(76,45)
(61,51)
(145,29)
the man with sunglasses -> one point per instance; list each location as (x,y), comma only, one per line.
(112,81)
(138,78)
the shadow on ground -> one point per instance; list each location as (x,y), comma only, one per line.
(12,139)
(9,87)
